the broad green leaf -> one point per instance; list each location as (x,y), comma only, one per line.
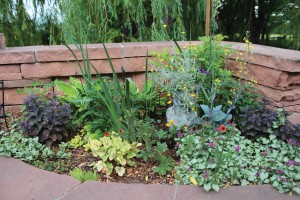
(207,187)
(263,175)
(244,182)
(296,189)
(67,89)
(76,83)
(216,187)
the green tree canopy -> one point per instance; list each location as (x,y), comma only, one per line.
(34,22)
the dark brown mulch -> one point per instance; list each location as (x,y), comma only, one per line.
(142,173)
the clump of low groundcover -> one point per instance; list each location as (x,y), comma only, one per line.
(47,120)
(14,144)
(215,157)
(263,120)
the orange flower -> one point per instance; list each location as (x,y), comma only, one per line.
(222,128)
(106,133)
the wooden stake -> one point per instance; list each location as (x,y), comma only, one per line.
(2,41)
(207,21)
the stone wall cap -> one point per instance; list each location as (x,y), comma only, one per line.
(269,51)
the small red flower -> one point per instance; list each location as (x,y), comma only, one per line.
(222,128)
(120,130)
(106,133)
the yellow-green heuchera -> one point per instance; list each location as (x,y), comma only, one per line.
(114,152)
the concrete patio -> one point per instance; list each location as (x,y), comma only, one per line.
(21,181)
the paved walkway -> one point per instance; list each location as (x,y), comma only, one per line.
(21,181)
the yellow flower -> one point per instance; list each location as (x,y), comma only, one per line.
(217,80)
(169,102)
(172,122)
(185,127)
(184,47)
(193,180)
(165,25)
(168,125)
(168,94)
(161,60)
(193,95)
(193,109)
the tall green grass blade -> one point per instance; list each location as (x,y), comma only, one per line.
(177,45)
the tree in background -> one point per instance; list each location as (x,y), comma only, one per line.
(262,18)
(21,29)
(94,21)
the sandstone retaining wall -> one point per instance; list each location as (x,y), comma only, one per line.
(276,70)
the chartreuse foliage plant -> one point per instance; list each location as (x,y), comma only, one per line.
(114,153)
(214,157)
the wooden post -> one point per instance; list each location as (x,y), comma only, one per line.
(2,41)
(207,21)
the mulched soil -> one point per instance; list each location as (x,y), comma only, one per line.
(141,173)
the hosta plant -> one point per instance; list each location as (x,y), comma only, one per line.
(47,120)
(114,153)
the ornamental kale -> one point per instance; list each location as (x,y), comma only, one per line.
(47,120)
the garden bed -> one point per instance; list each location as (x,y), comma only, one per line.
(191,123)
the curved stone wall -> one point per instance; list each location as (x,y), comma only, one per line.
(277,71)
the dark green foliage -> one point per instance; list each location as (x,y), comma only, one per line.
(47,120)
(264,120)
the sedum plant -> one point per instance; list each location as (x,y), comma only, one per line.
(47,120)
(114,152)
